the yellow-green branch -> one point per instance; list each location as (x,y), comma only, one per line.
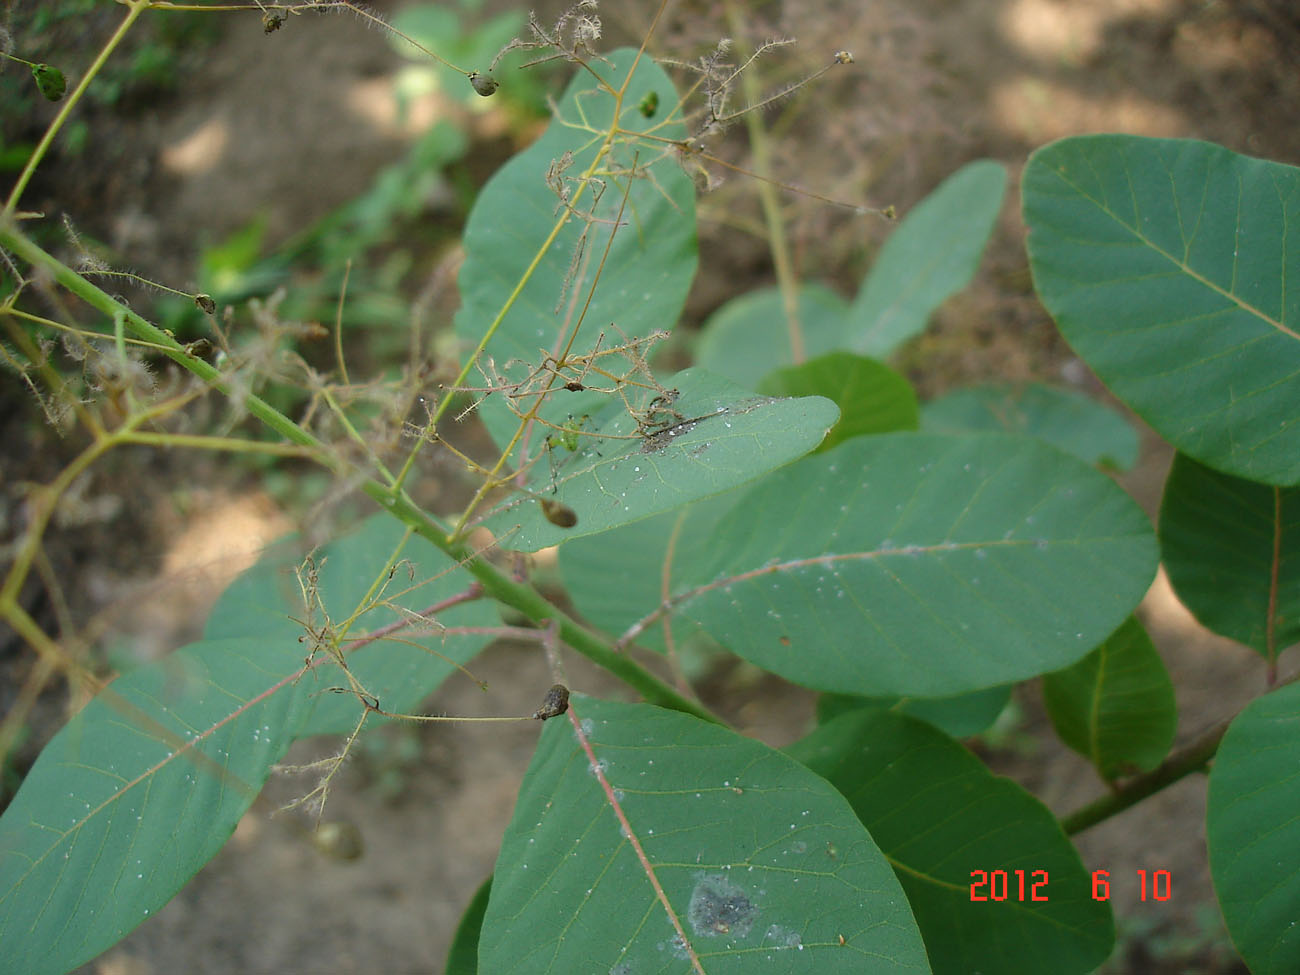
(497,584)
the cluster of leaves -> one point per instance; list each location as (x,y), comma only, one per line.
(787,499)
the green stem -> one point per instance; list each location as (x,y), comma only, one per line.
(14,57)
(201,442)
(536,607)
(351,430)
(1179,765)
(517,595)
(767,195)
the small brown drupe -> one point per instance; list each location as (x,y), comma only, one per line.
(558,514)
(555,704)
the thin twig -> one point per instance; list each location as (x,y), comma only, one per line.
(1182,763)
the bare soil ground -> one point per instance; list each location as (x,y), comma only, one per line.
(296,123)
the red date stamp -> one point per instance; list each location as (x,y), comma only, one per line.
(1001,885)
(1032,885)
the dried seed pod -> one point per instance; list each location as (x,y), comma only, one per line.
(555,704)
(50,81)
(844,57)
(205,303)
(340,840)
(559,514)
(484,84)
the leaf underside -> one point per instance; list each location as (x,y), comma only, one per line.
(921,565)
(763,863)
(717,437)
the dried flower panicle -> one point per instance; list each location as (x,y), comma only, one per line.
(571,37)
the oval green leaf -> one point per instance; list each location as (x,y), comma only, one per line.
(1254,833)
(922,565)
(705,437)
(139,791)
(872,397)
(1166,265)
(762,865)
(147,782)
(1232,551)
(930,257)
(939,816)
(1116,707)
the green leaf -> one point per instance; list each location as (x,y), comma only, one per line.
(139,791)
(872,397)
(711,437)
(368,579)
(1166,265)
(939,815)
(1232,551)
(761,863)
(1116,707)
(642,282)
(147,782)
(1254,832)
(1066,419)
(749,336)
(930,257)
(960,716)
(922,565)
(462,958)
